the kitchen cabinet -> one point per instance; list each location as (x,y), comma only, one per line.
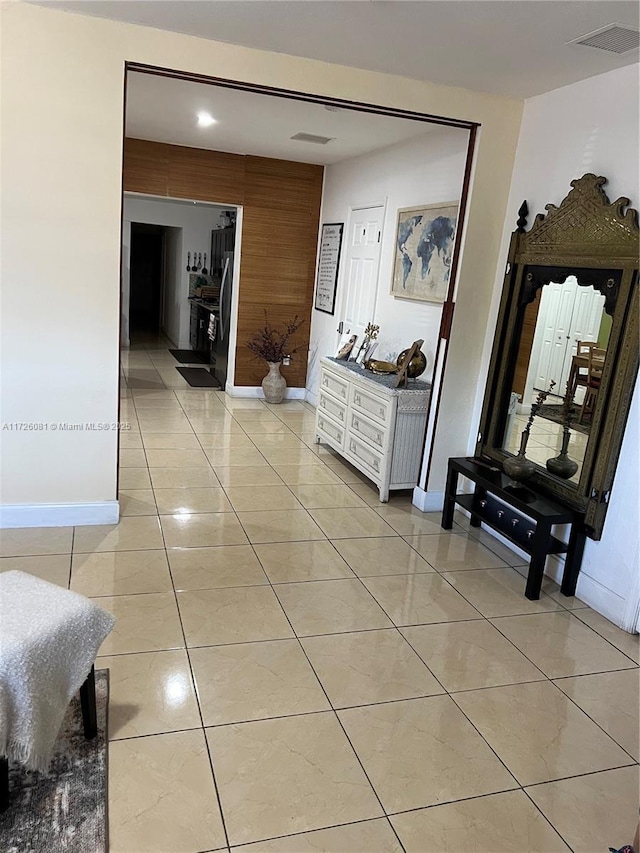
(222,240)
(199,329)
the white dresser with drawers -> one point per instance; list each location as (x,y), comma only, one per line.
(377,428)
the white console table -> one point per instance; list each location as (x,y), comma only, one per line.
(377,428)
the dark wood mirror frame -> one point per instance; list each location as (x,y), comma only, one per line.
(597,241)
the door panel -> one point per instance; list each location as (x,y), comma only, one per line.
(568,314)
(362,265)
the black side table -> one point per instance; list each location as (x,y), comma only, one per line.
(522,515)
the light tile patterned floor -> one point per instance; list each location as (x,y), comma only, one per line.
(297,667)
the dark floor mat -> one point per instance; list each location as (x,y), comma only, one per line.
(554,413)
(187,356)
(198,377)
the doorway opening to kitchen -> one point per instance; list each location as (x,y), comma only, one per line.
(178,260)
(147,268)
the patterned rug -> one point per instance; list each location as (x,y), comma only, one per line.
(554,413)
(65,808)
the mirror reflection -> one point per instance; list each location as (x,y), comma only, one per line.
(564,339)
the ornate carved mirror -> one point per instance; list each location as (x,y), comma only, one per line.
(568,315)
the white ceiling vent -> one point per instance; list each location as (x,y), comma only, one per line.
(311,137)
(615,38)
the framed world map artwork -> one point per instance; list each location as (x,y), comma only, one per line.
(425,237)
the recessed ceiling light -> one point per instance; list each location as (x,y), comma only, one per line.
(205,120)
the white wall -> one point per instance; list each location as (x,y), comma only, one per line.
(591,126)
(196,222)
(62,80)
(173,308)
(424,170)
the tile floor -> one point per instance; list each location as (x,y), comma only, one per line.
(545,441)
(297,667)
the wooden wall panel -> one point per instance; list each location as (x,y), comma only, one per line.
(216,176)
(279,233)
(281,212)
(524,350)
(251,371)
(145,167)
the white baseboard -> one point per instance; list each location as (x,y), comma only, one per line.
(59,515)
(311,397)
(606,602)
(427,501)
(603,600)
(255,391)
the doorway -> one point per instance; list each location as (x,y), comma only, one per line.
(146,288)
(567,313)
(362,266)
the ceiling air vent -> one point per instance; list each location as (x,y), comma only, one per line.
(311,137)
(615,38)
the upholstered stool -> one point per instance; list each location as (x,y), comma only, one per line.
(49,639)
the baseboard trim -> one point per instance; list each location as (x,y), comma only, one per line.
(255,392)
(427,501)
(59,515)
(606,602)
(603,600)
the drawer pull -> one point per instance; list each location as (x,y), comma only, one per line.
(353,447)
(357,399)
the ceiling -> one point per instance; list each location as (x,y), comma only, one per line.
(164,109)
(515,48)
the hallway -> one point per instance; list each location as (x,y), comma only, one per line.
(293,658)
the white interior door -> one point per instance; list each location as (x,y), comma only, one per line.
(552,329)
(568,314)
(361,265)
(585,322)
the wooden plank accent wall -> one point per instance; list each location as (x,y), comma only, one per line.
(281,215)
(524,350)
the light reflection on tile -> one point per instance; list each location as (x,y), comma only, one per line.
(150,693)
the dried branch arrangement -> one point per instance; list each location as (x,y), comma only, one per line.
(270,343)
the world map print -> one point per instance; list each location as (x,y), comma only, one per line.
(425,239)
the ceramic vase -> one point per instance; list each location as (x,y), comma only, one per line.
(518,467)
(274,385)
(561,465)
